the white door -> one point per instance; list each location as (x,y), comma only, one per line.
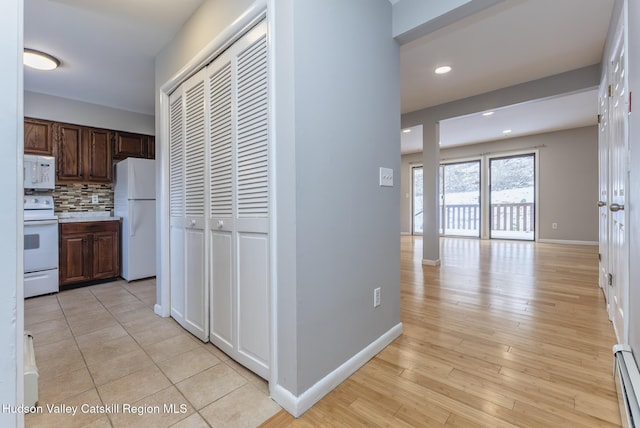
(603,186)
(239,209)
(188,134)
(223,299)
(619,175)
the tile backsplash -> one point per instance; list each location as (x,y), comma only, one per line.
(77,197)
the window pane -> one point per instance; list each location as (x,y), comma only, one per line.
(417,200)
(460,199)
(513,197)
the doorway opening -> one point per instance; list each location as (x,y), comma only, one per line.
(512,184)
(460,199)
(417,207)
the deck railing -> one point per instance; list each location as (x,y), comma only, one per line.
(461,217)
(513,217)
(516,217)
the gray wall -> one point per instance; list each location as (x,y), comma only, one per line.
(576,80)
(11,262)
(413,19)
(42,106)
(568,174)
(337,230)
(634,181)
(347,125)
(211,19)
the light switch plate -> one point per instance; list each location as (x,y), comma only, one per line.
(94,199)
(386,177)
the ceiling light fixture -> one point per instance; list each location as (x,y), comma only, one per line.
(507,131)
(39,60)
(406,131)
(488,113)
(442,70)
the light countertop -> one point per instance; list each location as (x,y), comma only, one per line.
(79,217)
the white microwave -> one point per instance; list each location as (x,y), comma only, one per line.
(39,172)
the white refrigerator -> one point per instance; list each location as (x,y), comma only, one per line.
(135,203)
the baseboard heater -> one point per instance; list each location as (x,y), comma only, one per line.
(30,372)
(627,378)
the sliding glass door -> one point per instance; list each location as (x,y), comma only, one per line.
(512,199)
(460,199)
(416,205)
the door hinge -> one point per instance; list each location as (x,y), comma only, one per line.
(610,91)
(610,279)
(599,257)
(599,119)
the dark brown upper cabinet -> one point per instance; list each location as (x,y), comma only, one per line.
(38,137)
(129,145)
(83,154)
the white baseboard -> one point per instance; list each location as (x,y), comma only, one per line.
(568,242)
(426,262)
(157,309)
(300,404)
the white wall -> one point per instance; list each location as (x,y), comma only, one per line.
(633,50)
(42,106)
(11,263)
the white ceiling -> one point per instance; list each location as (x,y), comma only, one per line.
(546,115)
(107,49)
(510,43)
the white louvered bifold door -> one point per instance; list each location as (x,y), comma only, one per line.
(221,201)
(252,207)
(176,203)
(189,287)
(239,199)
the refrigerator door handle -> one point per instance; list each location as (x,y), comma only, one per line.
(133,184)
(132,220)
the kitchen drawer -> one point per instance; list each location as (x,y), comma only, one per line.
(89,227)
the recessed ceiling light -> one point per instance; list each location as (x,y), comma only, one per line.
(406,131)
(488,113)
(39,60)
(507,131)
(442,70)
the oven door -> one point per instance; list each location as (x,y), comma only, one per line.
(40,245)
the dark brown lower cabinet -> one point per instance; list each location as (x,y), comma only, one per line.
(89,251)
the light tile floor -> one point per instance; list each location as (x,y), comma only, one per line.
(101,348)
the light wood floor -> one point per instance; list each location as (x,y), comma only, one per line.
(504,333)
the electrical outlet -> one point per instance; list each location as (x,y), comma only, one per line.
(376,297)
(554,226)
(94,199)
